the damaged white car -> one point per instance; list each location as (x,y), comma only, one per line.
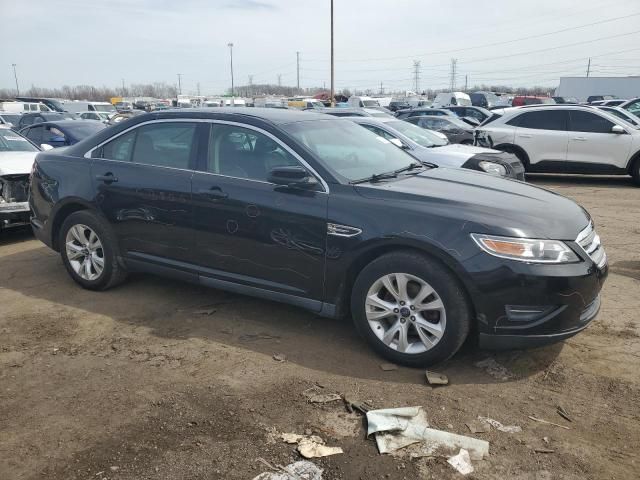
(16,159)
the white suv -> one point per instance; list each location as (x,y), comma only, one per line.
(565,139)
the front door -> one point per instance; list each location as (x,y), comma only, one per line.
(591,141)
(251,231)
(143,184)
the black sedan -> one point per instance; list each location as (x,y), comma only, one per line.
(320,213)
(456,130)
(62,133)
(38,117)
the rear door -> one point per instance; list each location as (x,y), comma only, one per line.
(542,134)
(592,142)
(143,182)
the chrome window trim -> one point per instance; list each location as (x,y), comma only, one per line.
(324,184)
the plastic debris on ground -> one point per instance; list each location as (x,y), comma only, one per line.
(352,404)
(499,426)
(461,462)
(280,357)
(494,369)
(302,470)
(315,395)
(434,378)
(310,446)
(388,367)
(397,428)
(478,426)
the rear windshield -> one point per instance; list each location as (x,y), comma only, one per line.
(10,141)
(81,130)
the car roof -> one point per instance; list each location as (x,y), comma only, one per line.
(273,115)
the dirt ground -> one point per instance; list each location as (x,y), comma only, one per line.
(162,380)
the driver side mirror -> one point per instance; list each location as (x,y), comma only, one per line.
(617,129)
(398,143)
(293,177)
(45,147)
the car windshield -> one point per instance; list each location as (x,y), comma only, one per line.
(104,108)
(419,135)
(621,115)
(10,141)
(82,130)
(370,103)
(347,149)
(375,113)
(57,104)
(455,121)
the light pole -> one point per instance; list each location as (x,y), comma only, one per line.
(230,45)
(179,83)
(333,92)
(15,75)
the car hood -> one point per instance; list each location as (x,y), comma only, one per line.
(16,163)
(487,204)
(464,152)
(456,155)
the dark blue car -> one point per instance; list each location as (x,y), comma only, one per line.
(62,133)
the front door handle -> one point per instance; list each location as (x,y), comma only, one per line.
(213,193)
(579,139)
(524,136)
(107,178)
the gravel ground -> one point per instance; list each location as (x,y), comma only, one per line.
(162,380)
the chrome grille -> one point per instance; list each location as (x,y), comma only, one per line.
(589,241)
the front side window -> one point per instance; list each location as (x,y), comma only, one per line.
(119,148)
(347,149)
(244,153)
(588,122)
(543,120)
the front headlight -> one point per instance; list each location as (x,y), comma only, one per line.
(526,249)
(493,168)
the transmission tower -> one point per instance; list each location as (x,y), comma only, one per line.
(416,76)
(454,72)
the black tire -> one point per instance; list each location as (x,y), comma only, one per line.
(635,171)
(113,272)
(447,287)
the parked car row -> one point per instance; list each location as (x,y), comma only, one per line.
(346,217)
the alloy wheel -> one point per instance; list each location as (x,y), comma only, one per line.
(405,313)
(84,252)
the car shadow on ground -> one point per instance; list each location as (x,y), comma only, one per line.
(599,181)
(180,311)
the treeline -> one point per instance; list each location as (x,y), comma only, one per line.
(97,94)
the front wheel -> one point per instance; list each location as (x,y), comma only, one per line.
(88,249)
(635,172)
(410,309)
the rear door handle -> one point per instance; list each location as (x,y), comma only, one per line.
(579,139)
(213,193)
(107,178)
(524,136)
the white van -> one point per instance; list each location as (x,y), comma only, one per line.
(362,102)
(23,107)
(448,99)
(235,102)
(80,107)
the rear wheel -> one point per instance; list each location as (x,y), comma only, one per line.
(410,309)
(89,251)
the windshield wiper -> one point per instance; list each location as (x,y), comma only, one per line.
(375,177)
(393,174)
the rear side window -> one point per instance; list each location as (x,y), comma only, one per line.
(161,144)
(35,135)
(543,120)
(588,122)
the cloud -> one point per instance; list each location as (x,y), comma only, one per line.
(250,5)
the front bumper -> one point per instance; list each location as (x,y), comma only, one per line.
(510,342)
(13,214)
(523,305)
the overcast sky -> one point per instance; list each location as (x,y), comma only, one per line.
(101,42)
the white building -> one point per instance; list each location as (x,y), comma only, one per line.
(583,87)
